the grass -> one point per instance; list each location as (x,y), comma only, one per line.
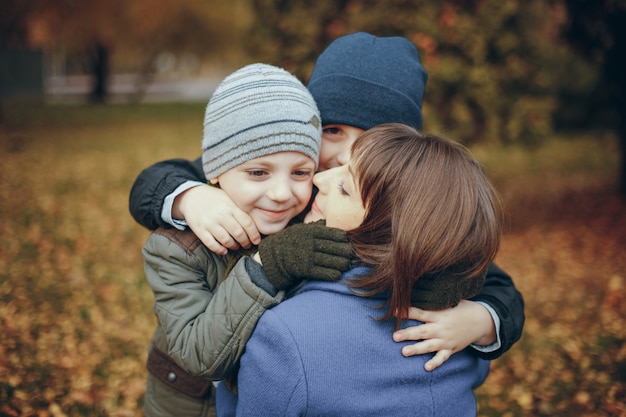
(76,313)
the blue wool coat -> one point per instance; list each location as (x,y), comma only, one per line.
(322,353)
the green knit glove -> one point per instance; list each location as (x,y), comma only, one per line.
(305,251)
(444,291)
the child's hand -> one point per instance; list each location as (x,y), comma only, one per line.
(447,331)
(215,219)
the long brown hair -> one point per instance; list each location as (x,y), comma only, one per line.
(429,210)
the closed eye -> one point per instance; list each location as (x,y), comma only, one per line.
(342,190)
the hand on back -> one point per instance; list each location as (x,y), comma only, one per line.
(447,332)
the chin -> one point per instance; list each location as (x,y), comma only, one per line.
(270,229)
(312,217)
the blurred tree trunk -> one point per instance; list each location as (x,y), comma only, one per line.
(100,72)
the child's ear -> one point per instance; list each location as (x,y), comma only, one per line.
(214,181)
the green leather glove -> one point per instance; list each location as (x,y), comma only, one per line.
(305,251)
(443,291)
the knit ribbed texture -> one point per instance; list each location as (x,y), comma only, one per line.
(256,111)
(362,80)
(322,352)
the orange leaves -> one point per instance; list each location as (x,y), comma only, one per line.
(569,263)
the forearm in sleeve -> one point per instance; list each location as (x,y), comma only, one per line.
(500,293)
(155,183)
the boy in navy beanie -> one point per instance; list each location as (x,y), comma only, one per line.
(363,80)
(359,81)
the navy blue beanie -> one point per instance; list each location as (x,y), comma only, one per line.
(363,80)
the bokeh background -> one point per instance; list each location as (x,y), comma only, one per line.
(93,92)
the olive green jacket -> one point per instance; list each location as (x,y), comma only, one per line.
(204,319)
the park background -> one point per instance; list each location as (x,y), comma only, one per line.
(92,92)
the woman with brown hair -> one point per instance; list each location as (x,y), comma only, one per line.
(418,209)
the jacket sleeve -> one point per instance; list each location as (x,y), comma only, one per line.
(500,293)
(154,183)
(207,320)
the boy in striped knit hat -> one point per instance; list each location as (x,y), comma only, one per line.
(262,134)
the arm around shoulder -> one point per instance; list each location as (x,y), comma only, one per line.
(155,183)
(500,294)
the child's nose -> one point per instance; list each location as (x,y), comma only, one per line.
(280,190)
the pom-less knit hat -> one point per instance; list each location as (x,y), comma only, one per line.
(362,80)
(256,111)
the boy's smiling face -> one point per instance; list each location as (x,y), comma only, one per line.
(272,189)
(337,141)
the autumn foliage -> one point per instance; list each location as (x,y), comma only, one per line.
(76,312)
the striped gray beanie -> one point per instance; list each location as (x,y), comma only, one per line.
(256,111)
